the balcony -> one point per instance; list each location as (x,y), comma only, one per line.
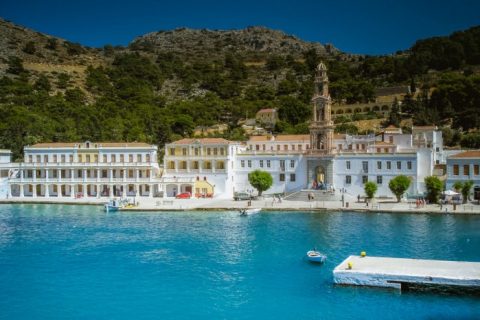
(71,165)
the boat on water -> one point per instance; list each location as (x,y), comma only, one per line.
(248,212)
(316,256)
(116,204)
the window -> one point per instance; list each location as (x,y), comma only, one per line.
(209,152)
(130,158)
(455,170)
(278,147)
(379,179)
(263,147)
(409,165)
(249,163)
(88,158)
(196,151)
(104,158)
(476,169)
(45,158)
(292,163)
(148,158)
(299,147)
(379,150)
(184,151)
(261,163)
(282,177)
(293,147)
(437,149)
(122,158)
(285,147)
(242,163)
(268,163)
(292,177)
(257,147)
(348,165)
(222,151)
(38,158)
(139,158)
(172,151)
(282,164)
(364,179)
(54,158)
(113,158)
(466,170)
(389,165)
(348,179)
(399,165)
(365,166)
(30,158)
(62,158)
(215,151)
(379,165)
(340,146)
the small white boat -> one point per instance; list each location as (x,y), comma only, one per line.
(315,256)
(114,205)
(248,212)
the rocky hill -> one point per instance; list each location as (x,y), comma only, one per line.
(247,41)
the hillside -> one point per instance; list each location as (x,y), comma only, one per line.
(252,40)
(166,83)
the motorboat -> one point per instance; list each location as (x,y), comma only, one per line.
(248,212)
(316,256)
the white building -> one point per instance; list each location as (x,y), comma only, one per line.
(462,167)
(202,167)
(81,170)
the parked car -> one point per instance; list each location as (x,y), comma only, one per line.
(184,195)
(242,196)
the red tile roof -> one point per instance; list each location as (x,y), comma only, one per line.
(467,154)
(282,137)
(93,145)
(202,141)
(266,110)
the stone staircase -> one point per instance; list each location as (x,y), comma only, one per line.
(319,195)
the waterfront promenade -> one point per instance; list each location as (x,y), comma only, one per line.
(168,204)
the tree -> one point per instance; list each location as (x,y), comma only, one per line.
(434,188)
(29,47)
(370,189)
(260,180)
(399,185)
(457,186)
(466,188)
(51,44)
(15,65)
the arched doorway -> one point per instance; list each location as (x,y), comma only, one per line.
(319,178)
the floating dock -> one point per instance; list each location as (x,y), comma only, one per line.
(404,273)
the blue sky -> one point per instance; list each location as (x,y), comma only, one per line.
(362,26)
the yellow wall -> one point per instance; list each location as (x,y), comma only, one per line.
(202,185)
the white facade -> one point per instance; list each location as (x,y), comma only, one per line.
(82,170)
(202,167)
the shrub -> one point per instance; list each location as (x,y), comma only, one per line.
(370,189)
(434,188)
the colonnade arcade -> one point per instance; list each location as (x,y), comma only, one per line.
(86,190)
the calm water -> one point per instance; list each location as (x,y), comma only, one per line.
(77,262)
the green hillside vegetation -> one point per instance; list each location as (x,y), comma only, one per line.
(142,94)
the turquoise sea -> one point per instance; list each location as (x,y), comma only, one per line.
(77,262)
